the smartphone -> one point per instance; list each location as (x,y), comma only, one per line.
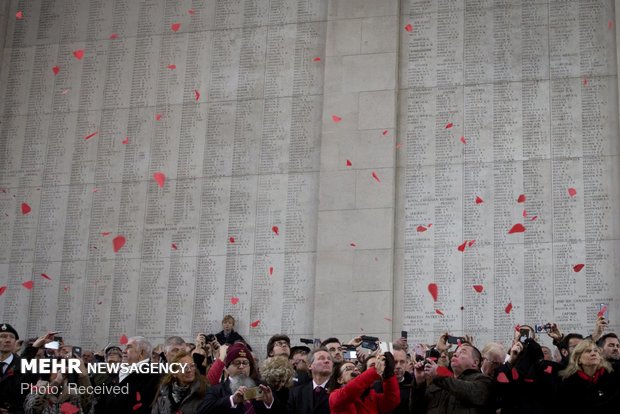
(77,351)
(403,334)
(604,311)
(523,334)
(317,343)
(53,345)
(455,340)
(350,355)
(253,393)
(386,347)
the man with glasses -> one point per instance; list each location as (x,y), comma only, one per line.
(11,397)
(241,392)
(279,345)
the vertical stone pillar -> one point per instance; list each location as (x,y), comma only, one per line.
(355,252)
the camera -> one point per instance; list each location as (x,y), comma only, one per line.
(455,340)
(209,338)
(306,341)
(432,354)
(540,328)
(369,342)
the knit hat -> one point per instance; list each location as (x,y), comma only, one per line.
(5,327)
(237,350)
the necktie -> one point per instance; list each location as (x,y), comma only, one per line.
(318,392)
(3,365)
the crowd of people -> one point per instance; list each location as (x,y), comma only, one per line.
(361,376)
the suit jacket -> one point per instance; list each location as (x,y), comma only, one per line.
(11,396)
(301,401)
(217,401)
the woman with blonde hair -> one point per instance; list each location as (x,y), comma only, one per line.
(181,392)
(589,384)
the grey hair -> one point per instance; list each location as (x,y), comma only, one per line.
(321,349)
(144,346)
(174,340)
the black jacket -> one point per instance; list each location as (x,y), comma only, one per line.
(217,401)
(301,401)
(232,337)
(11,396)
(142,389)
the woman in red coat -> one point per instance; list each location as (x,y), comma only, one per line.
(356,394)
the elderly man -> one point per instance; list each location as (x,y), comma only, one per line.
(465,389)
(312,398)
(240,393)
(142,387)
(174,345)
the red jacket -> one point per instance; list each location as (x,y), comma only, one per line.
(348,399)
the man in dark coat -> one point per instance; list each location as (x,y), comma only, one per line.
(11,395)
(141,387)
(312,397)
(464,390)
(238,393)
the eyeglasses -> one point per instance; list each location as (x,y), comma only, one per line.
(348,368)
(238,362)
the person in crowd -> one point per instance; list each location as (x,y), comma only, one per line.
(277,372)
(547,353)
(228,335)
(299,361)
(11,378)
(142,386)
(493,356)
(113,355)
(241,392)
(464,389)
(353,392)
(526,372)
(334,346)
(180,392)
(173,346)
(312,397)
(610,347)
(279,345)
(52,393)
(404,378)
(588,383)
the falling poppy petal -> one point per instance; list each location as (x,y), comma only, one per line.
(549,370)
(461,248)
(137,406)
(79,54)
(56,70)
(387,319)
(158,117)
(191,12)
(524,213)
(29,284)
(336,118)
(317,59)
(276,230)
(270,270)
(26,208)
(138,396)
(352,244)
(376,177)
(113,36)
(449,125)
(125,141)
(2,290)
(196,95)
(89,136)
(577,268)
(118,243)
(421,229)
(479,200)
(572,192)
(160,179)
(517,228)
(515,374)
(174,246)
(175,27)
(463,141)
(105,233)
(172,66)
(231,240)
(409,28)
(533,218)
(508,308)
(234,300)
(385,132)
(123,340)
(521,198)
(502,378)
(478,288)
(19,15)
(349,163)
(433,290)
(471,243)
(438,312)
(255,324)
(44,276)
